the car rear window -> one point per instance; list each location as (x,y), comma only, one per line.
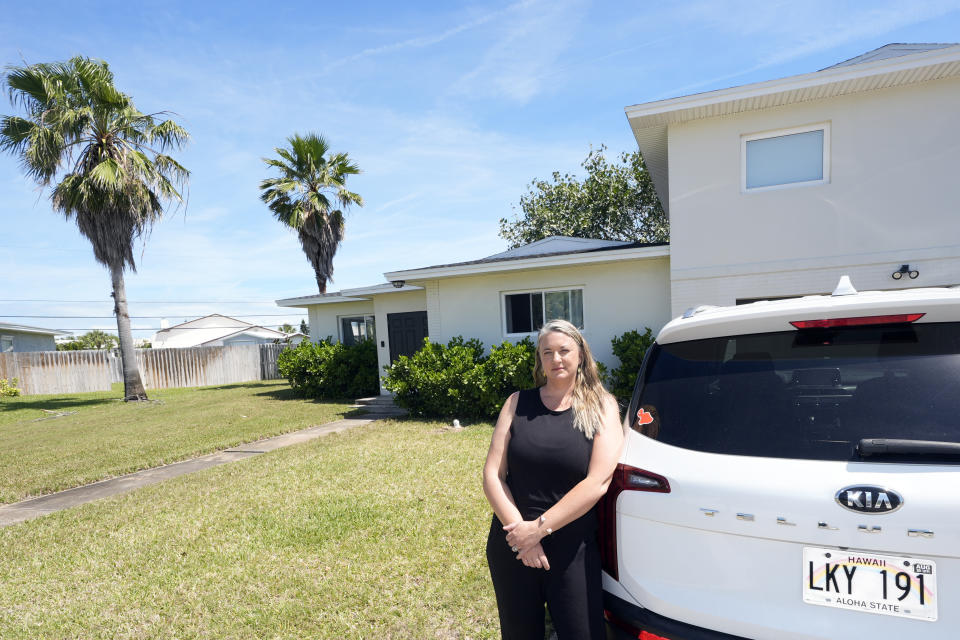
(809,393)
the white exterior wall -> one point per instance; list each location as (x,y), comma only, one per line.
(617,297)
(324,318)
(890,200)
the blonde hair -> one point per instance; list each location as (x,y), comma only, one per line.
(588,391)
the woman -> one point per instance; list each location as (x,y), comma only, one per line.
(552,456)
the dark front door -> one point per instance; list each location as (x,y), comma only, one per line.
(406,332)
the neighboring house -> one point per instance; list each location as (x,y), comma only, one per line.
(605,287)
(217,330)
(19,337)
(777,188)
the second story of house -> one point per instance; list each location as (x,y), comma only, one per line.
(856,162)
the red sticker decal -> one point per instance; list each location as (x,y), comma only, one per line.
(644,417)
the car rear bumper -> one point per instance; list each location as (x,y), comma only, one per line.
(625,621)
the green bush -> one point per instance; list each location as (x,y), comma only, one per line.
(331,370)
(457,380)
(630,349)
(9,389)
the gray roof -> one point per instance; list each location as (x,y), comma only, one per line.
(23,328)
(500,257)
(892,50)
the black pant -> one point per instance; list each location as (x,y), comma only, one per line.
(571,588)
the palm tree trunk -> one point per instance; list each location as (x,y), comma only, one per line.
(132,383)
(321,279)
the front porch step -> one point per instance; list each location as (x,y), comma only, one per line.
(379,406)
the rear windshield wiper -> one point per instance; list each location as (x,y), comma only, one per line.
(897,447)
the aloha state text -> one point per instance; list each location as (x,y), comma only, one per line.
(869,605)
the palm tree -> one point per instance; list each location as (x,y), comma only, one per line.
(105,162)
(303,198)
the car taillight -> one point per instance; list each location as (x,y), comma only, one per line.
(829,323)
(625,478)
(629,628)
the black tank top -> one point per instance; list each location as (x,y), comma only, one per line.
(546,458)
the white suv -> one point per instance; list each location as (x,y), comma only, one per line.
(792,470)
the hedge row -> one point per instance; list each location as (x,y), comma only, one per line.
(331,370)
(457,380)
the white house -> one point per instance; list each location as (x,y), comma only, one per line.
(217,330)
(605,287)
(776,188)
(773,189)
(20,337)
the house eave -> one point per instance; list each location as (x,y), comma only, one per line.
(33,330)
(868,76)
(650,121)
(310,301)
(359,294)
(253,330)
(539,262)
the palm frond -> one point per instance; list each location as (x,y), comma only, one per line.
(108,174)
(168,166)
(14,133)
(28,87)
(168,134)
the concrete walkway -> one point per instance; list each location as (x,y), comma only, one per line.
(36,507)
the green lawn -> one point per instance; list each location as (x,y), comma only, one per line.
(106,437)
(377,532)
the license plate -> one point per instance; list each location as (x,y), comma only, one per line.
(871,583)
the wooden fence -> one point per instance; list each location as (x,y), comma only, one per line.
(79,371)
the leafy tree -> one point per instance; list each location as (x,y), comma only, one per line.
(304,327)
(616,201)
(105,162)
(286,327)
(310,197)
(95,339)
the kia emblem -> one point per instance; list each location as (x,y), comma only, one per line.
(867,498)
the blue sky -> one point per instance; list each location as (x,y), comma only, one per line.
(450,109)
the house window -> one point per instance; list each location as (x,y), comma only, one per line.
(6,344)
(526,312)
(354,329)
(790,157)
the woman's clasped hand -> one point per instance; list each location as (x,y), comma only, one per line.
(534,556)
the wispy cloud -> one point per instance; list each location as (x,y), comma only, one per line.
(530,43)
(799,30)
(420,42)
